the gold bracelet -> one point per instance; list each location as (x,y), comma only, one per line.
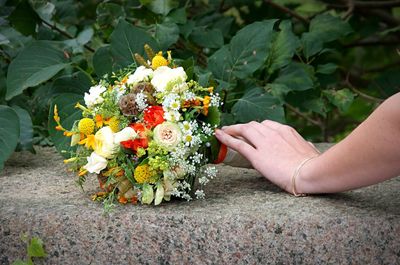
(296,173)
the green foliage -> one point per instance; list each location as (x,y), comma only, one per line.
(68,114)
(319,68)
(35,249)
(9,133)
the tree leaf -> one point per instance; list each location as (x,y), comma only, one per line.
(76,83)
(258,105)
(25,131)
(177,16)
(323,28)
(24,18)
(103,61)
(36,64)
(283,47)
(246,52)
(162,7)
(9,133)
(35,248)
(250,46)
(166,34)
(209,38)
(85,36)
(326,69)
(126,40)
(220,64)
(68,115)
(295,77)
(108,14)
(340,98)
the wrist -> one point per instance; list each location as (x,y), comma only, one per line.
(307,176)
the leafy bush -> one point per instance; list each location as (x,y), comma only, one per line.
(320,66)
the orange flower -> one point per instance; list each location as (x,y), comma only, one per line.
(206,104)
(99,120)
(153,116)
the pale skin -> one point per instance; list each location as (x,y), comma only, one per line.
(369,155)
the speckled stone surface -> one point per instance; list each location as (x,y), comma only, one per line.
(244,220)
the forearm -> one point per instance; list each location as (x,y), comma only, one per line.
(370,154)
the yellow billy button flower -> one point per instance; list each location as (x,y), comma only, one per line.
(158,61)
(86,126)
(144,174)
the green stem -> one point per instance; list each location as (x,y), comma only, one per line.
(84,72)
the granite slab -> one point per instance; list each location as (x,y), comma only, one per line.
(243,220)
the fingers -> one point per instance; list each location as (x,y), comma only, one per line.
(251,132)
(238,145)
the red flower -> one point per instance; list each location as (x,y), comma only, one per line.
(141,142)
(153,116)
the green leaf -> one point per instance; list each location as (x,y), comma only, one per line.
(109,14)
(162,7)
(36,64)
(24,18)
(220,63)
(283,47)
(177,16)
(207,38)
(103,61)
(316,105)
(9,133)
(246,52)
(258,105)
(250,46)
(68,115)
(26,129)
(85,36)
(76,83)
(295,77)
(326,69)
(340,98)
(35,248)
(126,40)
(323,28)
(310,8)
(166,34)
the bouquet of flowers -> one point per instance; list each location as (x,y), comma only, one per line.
(146,132)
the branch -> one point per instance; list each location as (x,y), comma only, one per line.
(288,11)
(64,33)
(373,43)
(361,94)
(381,4)
(350,4)
(293,109)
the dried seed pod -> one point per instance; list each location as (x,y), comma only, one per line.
(143,86)
(127,104)
(149,51)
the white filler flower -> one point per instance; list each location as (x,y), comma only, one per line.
(94,96)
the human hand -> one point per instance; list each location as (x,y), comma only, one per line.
(274,149)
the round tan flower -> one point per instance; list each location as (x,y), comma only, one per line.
(167,134)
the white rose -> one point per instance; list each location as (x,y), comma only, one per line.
(96,163)
(94,96)
(104,142)
(167,134)
(164,77)
(126,134)
(141,74)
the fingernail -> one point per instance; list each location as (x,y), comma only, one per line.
(223,127)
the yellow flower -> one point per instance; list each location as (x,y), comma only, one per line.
(89,141)
(206,104)
(144,174)
(86,126)
(158,61)
(113,123)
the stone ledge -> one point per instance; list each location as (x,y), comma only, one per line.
(244,220)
